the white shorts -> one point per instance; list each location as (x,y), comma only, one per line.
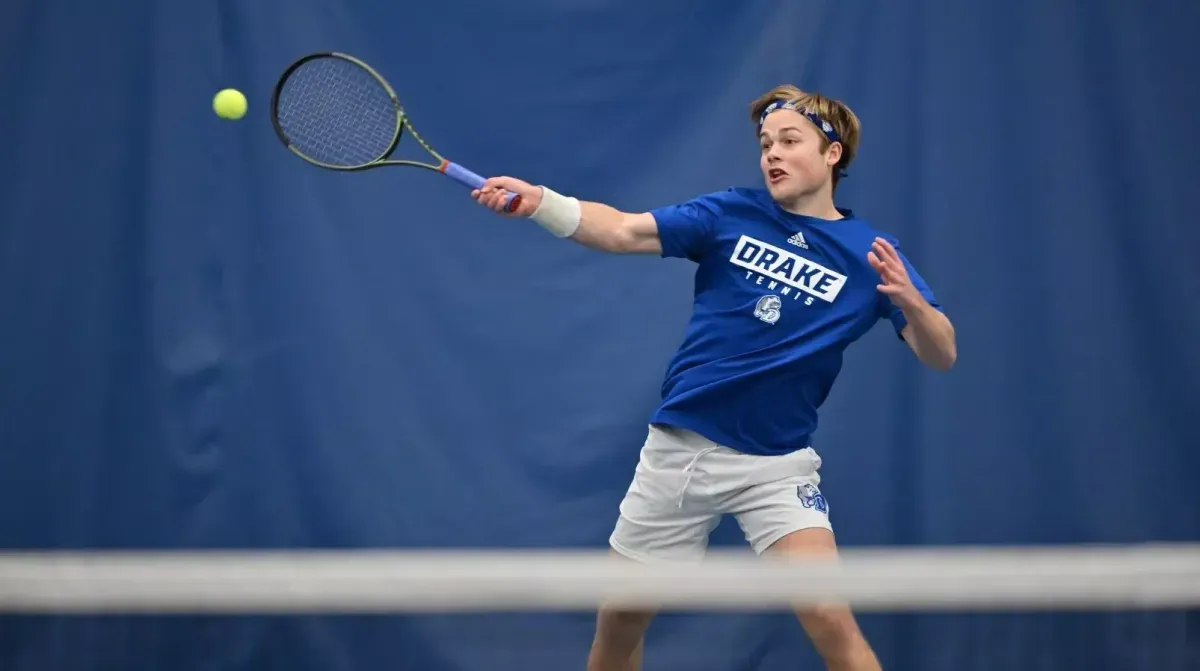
(684,483)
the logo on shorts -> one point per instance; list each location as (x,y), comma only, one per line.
(811,497)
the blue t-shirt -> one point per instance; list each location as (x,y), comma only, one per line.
(778,298)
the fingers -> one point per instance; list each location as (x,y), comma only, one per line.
(879,247)
(895,280)
(886,250)
(881,265)
(873,259)
(502,183)
(492,198)
(886,261)
(495,193)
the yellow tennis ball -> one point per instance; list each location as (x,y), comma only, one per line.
(229,104)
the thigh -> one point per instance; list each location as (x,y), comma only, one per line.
(658,521)
(786,499)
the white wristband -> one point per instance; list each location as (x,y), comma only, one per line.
(557,213)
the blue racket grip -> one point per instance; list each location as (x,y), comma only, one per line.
(474,181)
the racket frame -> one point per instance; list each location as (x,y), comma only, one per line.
(443,165)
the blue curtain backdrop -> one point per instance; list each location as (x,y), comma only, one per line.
(206,343)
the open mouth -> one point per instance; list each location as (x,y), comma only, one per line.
(775,175)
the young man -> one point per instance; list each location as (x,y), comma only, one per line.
(785,281)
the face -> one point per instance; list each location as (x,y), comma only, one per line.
(793,165)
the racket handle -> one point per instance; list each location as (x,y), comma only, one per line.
(470,179)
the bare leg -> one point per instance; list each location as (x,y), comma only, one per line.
(831,628)
(619,640)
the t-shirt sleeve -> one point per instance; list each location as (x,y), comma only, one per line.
(686,230)
(889,309)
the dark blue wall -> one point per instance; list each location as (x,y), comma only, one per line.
(207,343)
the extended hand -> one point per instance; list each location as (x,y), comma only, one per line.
(896,283)
(495,191)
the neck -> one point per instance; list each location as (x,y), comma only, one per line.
(818,204)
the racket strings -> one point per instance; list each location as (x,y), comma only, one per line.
(337,113)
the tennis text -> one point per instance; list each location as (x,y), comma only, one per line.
(788,269)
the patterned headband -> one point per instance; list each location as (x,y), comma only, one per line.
(826,127)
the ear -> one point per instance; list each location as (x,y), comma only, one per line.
(833,154)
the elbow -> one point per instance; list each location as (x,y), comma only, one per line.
(619,241)
(946,355)
(935,347)
(944,361)
(621,238)
(938,350)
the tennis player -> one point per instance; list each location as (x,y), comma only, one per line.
(785,282)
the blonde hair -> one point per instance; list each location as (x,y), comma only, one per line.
(837,113)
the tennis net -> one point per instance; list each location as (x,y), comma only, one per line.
(1110,607)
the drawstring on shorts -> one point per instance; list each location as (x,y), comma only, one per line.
(689,470)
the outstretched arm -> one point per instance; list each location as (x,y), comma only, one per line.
(594,225)
(928,331)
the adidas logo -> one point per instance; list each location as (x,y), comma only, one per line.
(798,240)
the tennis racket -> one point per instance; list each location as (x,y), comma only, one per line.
(336,112)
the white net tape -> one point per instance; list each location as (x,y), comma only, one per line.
(978,579)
